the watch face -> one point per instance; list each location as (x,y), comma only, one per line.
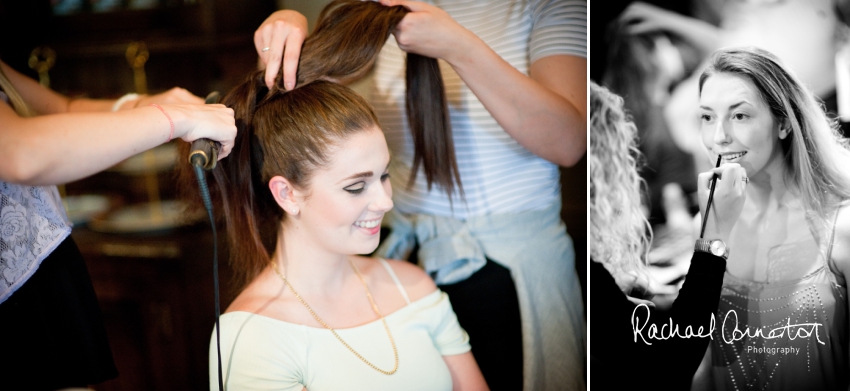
(718,247)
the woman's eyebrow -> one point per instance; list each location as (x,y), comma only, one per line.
(735,106)
(365,174)
(732,106)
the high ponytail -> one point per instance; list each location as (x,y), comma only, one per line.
(236,188)
(343,47)
(249,208)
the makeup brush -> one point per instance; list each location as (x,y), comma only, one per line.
(710,197)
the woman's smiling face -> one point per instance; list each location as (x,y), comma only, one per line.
(737,124)
(347,198)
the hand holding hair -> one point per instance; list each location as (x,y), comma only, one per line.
(333,52)
(429,31)
(278,42)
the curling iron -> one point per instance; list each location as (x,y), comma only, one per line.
(205,151)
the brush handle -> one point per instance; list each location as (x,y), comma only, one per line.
(710,197)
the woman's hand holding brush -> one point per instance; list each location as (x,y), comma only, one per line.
(725,187)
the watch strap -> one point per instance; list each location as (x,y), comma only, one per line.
(704,245)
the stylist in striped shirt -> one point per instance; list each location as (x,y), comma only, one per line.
(515,78)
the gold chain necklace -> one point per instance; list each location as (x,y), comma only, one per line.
(374,307)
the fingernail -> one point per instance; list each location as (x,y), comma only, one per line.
(288,86)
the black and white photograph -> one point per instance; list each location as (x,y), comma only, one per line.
(719,181)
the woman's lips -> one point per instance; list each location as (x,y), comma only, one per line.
(730,156)
(371,227)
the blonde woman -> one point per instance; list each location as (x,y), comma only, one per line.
(619,240)
(784,298)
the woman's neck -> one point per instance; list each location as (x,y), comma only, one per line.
(771,189)
(308,265)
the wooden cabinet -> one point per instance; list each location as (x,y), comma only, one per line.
(156,295)
(201,45)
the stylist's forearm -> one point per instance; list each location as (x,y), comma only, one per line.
(546,123)
(65,147)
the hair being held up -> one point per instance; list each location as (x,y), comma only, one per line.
(289,133)
(348,36)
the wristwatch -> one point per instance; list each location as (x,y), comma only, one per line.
(712,246)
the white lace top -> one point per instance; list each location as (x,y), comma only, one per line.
(32,224)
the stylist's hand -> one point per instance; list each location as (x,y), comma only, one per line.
(431,32)
(212,121)
(728,201)
(283,33)
(175,95)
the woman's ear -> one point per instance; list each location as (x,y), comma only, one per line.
(284,194)
(784,129)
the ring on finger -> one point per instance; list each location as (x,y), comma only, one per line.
(265,49)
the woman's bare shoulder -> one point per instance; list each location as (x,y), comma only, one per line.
(263,297)
(246,301)
(414,280)
(249,300)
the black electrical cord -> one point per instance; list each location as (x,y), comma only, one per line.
(205,195)
(204,156)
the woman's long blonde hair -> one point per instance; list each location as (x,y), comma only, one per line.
(619,232)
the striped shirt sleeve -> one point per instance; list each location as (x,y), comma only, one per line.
(558,27)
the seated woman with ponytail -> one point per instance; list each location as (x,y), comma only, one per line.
(304,191)
(515,74)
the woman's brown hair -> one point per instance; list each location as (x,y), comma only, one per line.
(288,133)
(348,36)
